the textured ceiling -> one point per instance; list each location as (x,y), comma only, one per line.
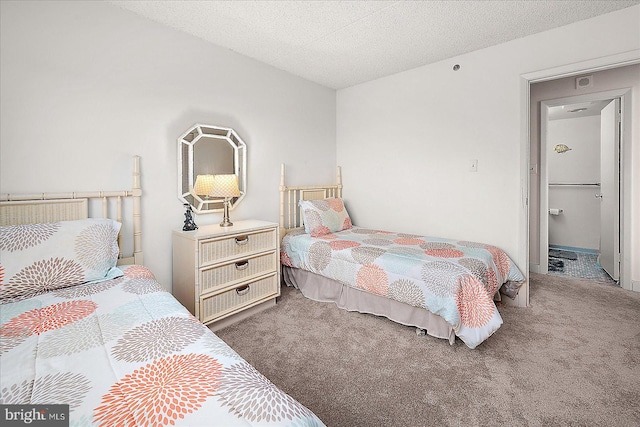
(342,43)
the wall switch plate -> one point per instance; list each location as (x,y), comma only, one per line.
(473,165)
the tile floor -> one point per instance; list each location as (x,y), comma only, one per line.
(586,267)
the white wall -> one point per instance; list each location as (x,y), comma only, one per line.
(86,85)
(578,225)
(404,141)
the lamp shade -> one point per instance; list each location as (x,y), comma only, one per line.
(225,186)
(203,185)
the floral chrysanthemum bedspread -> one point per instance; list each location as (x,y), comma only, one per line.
(125,352)
(453,279)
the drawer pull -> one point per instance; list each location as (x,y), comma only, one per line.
(242,265)
(242,290)
(242,240)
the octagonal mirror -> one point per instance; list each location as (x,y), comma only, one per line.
(206,150)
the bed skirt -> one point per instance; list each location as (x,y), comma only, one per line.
(322,289)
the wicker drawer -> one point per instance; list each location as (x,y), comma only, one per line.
(228,302)
(210,263)
(220,276)
(227,248)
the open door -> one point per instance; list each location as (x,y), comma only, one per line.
(609,195)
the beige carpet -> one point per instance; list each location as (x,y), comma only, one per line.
(571,358)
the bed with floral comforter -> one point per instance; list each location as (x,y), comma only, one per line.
(112,344)
(456,280)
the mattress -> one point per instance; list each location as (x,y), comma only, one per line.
(125,352)
(456,280)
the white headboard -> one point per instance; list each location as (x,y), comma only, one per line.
(290,214)
(16,209)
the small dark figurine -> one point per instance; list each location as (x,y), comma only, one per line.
(189,223)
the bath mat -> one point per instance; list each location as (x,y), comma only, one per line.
(556,265)
(558,253)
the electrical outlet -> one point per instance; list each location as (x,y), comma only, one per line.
(473,165)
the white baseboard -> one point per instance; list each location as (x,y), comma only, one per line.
(635,285)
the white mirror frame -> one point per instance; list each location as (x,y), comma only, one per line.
(187,176)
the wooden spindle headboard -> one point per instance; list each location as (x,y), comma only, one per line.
(290,214)
(16,209)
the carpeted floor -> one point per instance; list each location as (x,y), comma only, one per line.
(571,358)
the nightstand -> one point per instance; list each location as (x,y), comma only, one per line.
(225,274)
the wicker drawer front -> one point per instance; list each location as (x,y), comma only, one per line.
(224,275)
(227,302)
(216,250)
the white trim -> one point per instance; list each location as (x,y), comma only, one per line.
(625,194)
(522,299)
(597,64)
(625,173)
(543,229)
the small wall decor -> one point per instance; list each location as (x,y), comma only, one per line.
(561,148)
(189,223)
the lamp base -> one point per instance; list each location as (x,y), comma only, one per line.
(225,220)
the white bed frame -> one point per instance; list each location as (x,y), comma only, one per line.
(290,215)
(17,209)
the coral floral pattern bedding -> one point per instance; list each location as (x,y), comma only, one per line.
(324,216)
(125,352)
(453,279)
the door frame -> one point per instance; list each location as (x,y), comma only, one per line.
(598,64)
(624,95)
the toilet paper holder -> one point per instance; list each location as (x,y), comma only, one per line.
(555,211)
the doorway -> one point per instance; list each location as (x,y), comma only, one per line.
(580,152)
(610,73)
